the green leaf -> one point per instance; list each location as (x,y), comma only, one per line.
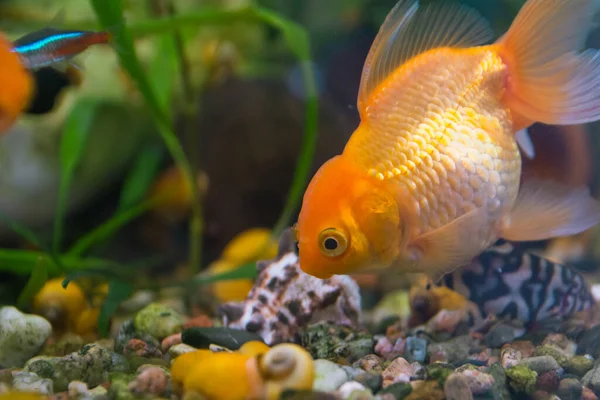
(140,177)
(36,282)
(118,291)
(75,133)
(20,230)
(162,71)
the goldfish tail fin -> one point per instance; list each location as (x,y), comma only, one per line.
(549,80)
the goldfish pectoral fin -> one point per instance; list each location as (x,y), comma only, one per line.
(556,83)
(450,246)
(547,209)
(525,143)
(412,28)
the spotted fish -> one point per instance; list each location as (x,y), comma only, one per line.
(509,282)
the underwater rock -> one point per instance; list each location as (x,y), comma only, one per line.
(454,350)
(540,364)
(553,351)
(438,372)
(498,335)
(150,380)
(590,342)
(158,320)
(389,350)
(139,348)
(569,389)
(370,362)
(510,357)
(499,391)
(521,379)
(547,381)
(592,379)
(25,381)
(371,379)
(232,339)
(479,382)
(457,388)
(179,349)
(336,342)
(398,371)
(579,365)
(128,332)
(399,390)
(416,349)
(21,336)
(91,365)
(67,344)
(346,389)
(119,387)
(284,299)
(328,376)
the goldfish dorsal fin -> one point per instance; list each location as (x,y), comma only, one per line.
(411,29)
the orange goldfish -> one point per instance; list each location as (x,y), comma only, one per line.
(431,176)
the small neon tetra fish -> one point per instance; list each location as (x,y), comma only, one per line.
(50,46)
(431,176)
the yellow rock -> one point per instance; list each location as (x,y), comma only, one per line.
(250,245)
(87,321)
(232,290)
(222,376)
(54,301)
(254,348)
(182,365)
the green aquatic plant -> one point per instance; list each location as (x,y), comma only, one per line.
(52,261)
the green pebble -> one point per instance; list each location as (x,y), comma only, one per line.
(438,372)
(400,390)
(158,320)
(371,380)
(549,350)
(521,379)
(579,365)
(119,387)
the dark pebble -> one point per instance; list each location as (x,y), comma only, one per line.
(203,337)
(498,335)
(547,381)
(400,390)
(569,389)
(371,380)
(590,342)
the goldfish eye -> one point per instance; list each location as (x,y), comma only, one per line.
(332,242)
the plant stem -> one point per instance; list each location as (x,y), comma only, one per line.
(190,107)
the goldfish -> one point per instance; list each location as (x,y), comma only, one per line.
(50,46)
(17,83)
(431,176)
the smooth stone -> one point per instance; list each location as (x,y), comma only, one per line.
(456,387)
(328,376)
(29,382)
(22,336)
(540,364)
(158,320)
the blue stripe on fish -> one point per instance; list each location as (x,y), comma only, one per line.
(41,43)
